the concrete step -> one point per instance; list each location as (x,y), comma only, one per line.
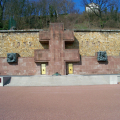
(68,80)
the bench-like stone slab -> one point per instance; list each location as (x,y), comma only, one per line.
(70,80)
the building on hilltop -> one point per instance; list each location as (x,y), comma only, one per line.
(92,7)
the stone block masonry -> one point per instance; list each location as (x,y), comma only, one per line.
(87,66)
(25,66)
(90,65)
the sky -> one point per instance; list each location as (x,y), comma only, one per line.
(79,6)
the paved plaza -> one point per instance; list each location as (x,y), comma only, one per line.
(99,102)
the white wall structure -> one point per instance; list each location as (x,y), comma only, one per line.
(92,7)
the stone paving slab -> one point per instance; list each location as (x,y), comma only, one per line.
(101,102)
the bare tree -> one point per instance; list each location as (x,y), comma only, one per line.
(45,7)
(64,6)
(100,8)
(21,11)
(35,13)
(103,5)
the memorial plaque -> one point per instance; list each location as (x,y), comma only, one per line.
(12,57)
(70,67)
(43,66)
(102,56)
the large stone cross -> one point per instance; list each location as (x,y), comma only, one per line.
(56,55)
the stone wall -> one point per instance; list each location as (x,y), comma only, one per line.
(86,66)
(23,43)
(92,42)
(24,66)
(90,65)
(88,42)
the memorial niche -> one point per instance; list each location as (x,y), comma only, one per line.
(12,57)
(102,56)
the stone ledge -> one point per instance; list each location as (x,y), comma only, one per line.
(13,31)
(96,30)
(37,30)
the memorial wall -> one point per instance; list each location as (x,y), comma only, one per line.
(88,42)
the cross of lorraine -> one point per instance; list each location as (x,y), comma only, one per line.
(56,56)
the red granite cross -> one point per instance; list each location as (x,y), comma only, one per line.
(57,55)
